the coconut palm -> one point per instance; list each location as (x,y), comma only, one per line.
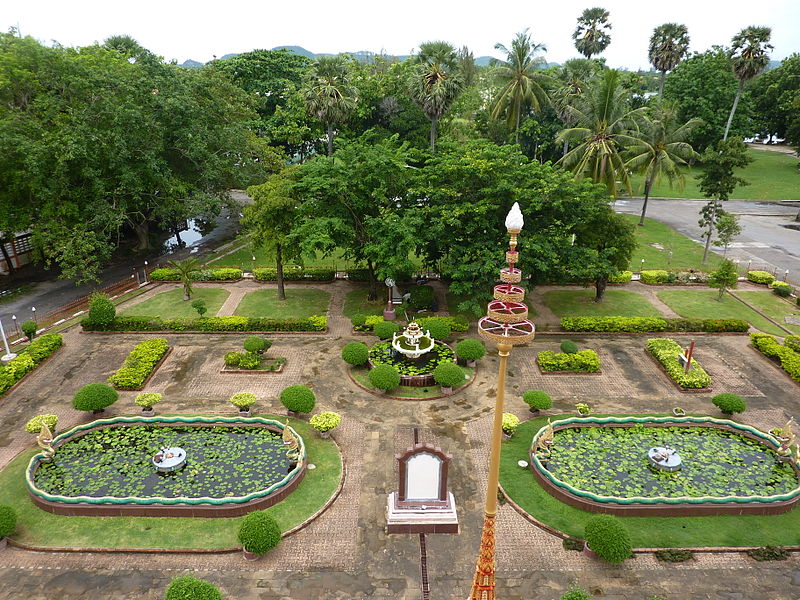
(186,268)
(330,97)
(521,85)
(572,77)
(591,35)
(436,81)
(660,149)
(668,45)
(750,57)
(604,123)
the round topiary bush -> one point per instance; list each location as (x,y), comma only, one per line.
(385,329)
(358,320)
(35,424)
(325,421)
(438,327)
(298,398)
(95,396)
(29,329)
(257,345)
(232,358)
(537,400)
(259,532)
(8,521)
(470,349)
(510,423)
(448,375)
(190,588)
(569,347)
(250,361)
(243,400)
(101,313)
(729,403)
(608,538)
(384,377)
(355,353)
(147,400)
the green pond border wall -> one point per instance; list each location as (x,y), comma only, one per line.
(104,506)
(662,506)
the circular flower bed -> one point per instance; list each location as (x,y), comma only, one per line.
(417,372)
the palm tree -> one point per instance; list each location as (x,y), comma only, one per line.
(521,86)
(572,76)
(668,45)
(591,35)
(329,95)
(749,56)
(660,148)
(604,124)
(186,268)
(436,81)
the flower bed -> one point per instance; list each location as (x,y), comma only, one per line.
(788,358)
(28,359)
(294,274)
(214,324)
(666,352)
(140,364)
(585,361)
(268,364)
(652,324)
(215,274)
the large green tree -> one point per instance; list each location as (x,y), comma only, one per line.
(669,44)
(330,95)
(591,35)
(750,56)
(776,98)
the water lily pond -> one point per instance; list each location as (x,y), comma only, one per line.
(382,353)
(117,461)
(612,461)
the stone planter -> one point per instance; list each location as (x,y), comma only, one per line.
(471,364)
(325,434)
(447,391)
(678,412)
(148,412)
(249,555)
(244,413)
(589,552)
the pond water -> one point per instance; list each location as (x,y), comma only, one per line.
(117,461)
(382,353)
(612,461)
(192,231)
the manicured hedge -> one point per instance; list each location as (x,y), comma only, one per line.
(763,277)
(458,323)
(781,288)
(621,277)
(190,588)
(140,364)
(294,274)
(363,275)
(707,325)
(651,324)
(666,351)
(585,361)
(27,359)
(243,324)
(215,274)
(656,276)
(607,537)
(793,342)
(769,346)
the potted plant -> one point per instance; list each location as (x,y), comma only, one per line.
(583,409)
(678,412)
(448,375)
(35,424)
(298,399)
(147,400)
(243,401)
(470,351)
(258,533)
(95,397)
(8,523)
(324,422)
(510,423)
(537,400)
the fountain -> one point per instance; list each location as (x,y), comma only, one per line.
(413,342)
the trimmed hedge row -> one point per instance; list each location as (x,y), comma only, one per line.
(769,346)
(585,361)
(621,277)
(363,275)
(793,342)
(27,360)
(294,274)
(656,276)
(666,352)
(651,324)
(211,324)
(139,364)
(215,274)
(762,277)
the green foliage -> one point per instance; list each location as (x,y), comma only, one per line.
(458,323)
(139,364)
(95,396)
(257,345)
(35,424)
(29,329)
(147,399)
(190,588)
(200,306)
(250,361)
(674,556)
(760,277)
(769,346)
(666,351)
(422,297)
(325,421)
(608,538)
(298,398)
(232,359)
(243,400)
(651,324)
(774,97)
(621,277)
(233,323)
(448,375)
(101,312)
(569,347)
(8,520)
(585,361)
(384,377)
(656,276)
(781,288)
(591,35)
(537,400)
(259,532)
(470,349)
(358,320)
(793,342)
(729,404)
(295,274)
(717,181)
(725,277)
(769,553)
(438,328)
(510,422)
(576,593)
(355,353)
(27,360)
(203,274)
(385,329)
(573,544)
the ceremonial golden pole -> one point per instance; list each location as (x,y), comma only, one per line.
(505,323)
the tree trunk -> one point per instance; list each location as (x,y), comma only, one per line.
(330,139)
(600,288)
(708,242)
(566,148)
(279,269)
(6,257)
(142,231)
(647,185)
(661,84)
(433,135)
(373,283)
(516,136)
(733,108)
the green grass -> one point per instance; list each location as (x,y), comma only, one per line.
(580,303)
(355,302)
(39,528)
(171,305)
(772,176)
(772,306)
(655,532)
(299,303)
(685,253)
(703,304)
(406,391)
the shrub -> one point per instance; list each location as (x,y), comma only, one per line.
(614,324)
(608,538)
(470,349)
(793,342)
(259,532)
(760,277)
(200,306)
(8,520)
(569,347)
(325,421)
(709,325)
(243,400)
(422,297)
(29,329)
(576,593)
(371,320)
(139,364)
(101,312)
(585,361)
(233,323)
(250,361)
(384,377)
(232,359)
(215,274)
(510,423)
(765,553)
(583,408)
(26,361)
(781,288)
(385,329)
(95,396)
(656,276)
(257,344)
(448,375)
(295,274)
(147,399)
(190,588)
(355,353)
(298,398)
(438,327)
(729,403)
(537,399)
(769,346)
(35,424)
(666,352)
(458,323)
(674,556)
(358,320)
(621,277)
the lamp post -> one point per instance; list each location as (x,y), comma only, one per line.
(8,355)
(506,324)
(16,326)
(145,271)
(33,311)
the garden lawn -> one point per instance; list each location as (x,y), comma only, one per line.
(647,532)
(243,259)
(686,253)
(356,303)
(703,304)
(299,303)
(772,306)
(39,528)
(580,303)
(171,305)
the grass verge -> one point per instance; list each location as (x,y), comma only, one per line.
(171,305)
(772,306)
(299,303)
(663,247)
(580,303)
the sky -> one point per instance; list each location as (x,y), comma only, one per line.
(179,30)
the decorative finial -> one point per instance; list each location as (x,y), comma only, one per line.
(514,220)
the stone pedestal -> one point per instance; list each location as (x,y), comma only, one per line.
(440,518)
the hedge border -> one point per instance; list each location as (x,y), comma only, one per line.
(675,383)
(774,363)
(24,377)
(224,371)
(156,367)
